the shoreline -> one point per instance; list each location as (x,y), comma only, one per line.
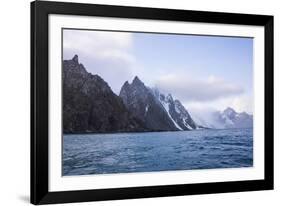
(137,132)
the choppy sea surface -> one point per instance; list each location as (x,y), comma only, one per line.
(85,154)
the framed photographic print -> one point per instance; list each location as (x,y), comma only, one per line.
(131,102)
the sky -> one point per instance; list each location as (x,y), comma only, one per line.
(203,72)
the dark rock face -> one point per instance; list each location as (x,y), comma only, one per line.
(183,117)
(141,102)
(89,105)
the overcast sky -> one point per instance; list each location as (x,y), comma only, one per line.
(203,72)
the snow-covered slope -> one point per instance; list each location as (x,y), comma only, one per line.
(176,111)
(166,103)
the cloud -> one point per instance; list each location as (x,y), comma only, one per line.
(102,53)
(243,103)
(87,40)
(240,103)
(110,55)
(192,89)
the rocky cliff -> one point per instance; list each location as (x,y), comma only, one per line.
(141,102)
(89,105)
(159,112)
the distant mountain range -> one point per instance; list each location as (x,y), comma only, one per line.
(227,118)
(89,105)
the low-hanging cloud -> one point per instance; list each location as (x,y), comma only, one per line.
(195,89)
(102,53)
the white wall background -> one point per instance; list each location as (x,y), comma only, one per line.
(14,102)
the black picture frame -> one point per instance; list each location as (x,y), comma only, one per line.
(40,108)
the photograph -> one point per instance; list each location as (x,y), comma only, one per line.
(140,101)
(155,102)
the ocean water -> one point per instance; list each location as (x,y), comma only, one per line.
(85,154)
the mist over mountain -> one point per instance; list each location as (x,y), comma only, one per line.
(232,119)
(90,105)
(227,118)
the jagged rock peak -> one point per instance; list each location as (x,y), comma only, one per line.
(90,105)
(126,83)
(169,97)
(229,111)
(137,80)
(177,101)
(75,59)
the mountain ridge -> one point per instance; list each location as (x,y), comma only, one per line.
(141,102)
(90,105)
